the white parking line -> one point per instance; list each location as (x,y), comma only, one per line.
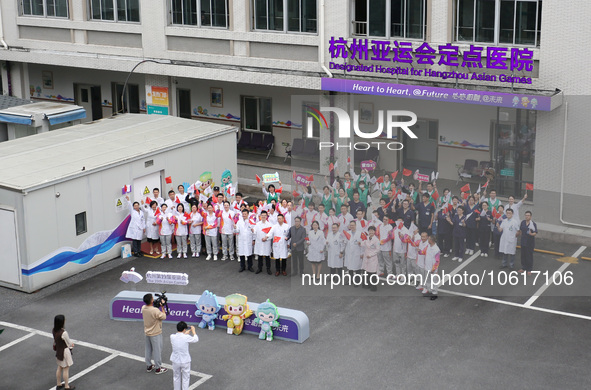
(461,267)
(16,341)
(112,352)
(89,369)
(545,286)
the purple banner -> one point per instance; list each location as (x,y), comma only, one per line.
(484,98)
(124,309)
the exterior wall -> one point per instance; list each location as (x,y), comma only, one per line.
(96,194)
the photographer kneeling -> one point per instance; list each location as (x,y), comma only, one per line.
(153,329)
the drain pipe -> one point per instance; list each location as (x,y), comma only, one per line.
(562,175)
(2,41)
(321,35)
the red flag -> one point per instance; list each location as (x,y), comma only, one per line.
(168,180)
(391,221)
(157,212)
(485,185)
(266,230)
(310,178)
(363,236)
(294,175)
(307,239)
(148,200)
(295,194)
(279,190)
(252,219)
(187,215)
(177,200)
(235,218)
(276,239)
(258,179)
(400,225)
(406,172)
(465,195)
(529,187)
(494,213)
(394,175)
(348,160)
(347,235)
(380,180)
(214,199)
(465,188)
(330,167)
(254,208)
(435,195)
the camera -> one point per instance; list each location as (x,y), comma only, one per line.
(161,300)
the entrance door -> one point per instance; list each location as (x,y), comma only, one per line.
(131,101)
(10,266)
(143,186)
(421,153)
(184,103)
(89,97)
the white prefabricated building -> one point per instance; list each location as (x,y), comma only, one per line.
(59,189)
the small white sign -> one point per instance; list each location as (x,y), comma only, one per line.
(158,277)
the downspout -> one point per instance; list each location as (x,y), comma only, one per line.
(2,32)
(321,35)
(562,175)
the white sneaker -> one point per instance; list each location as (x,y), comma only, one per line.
(197,255)
(215,257)
(163,256)
(170,255)
(208,257)
(460,259)
(231,258)
(224,258)
(471,251)
(467,252)
(178,256)
(482,255)
(193,254)
(446,255)
(486,255)
(454,258)
(477,244)
(419,288)
(184,255)
(425,291)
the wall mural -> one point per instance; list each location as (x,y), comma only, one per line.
(200,111)
(287,124)
(36,93)
(464,144)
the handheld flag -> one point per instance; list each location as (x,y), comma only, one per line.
(295,194)
(330,167)
(363,236)
(148,200)
(279,190)
(529,187)
(435,195)
(485,185)
(380,180)
(310,178)
(406,172)
(465,188)
(252,219)
(276,240)
(294,175)
(157,212)
(266,230)
(258,179)
(187,215)
(465,195)
(349,160)
(168,180)
(126,189)
(394,175)
(478,191)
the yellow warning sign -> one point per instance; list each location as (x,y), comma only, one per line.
(119,203)
(146,191)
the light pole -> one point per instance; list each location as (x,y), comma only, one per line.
(129,75)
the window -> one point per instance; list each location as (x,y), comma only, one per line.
(390,18)
(80,223)
(202,13)
(115,10)
(46,8)
(515,22)
(285,15)
(256,114)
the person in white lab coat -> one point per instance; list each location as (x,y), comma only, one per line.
(151,226)
(244,241)
(181,231)
(180,357)
(157,197)
(316,244)
(166,227)
(509,229)
(195,231)
(137,227)
(335,247)
(353,251)
(279,236)
(262,246)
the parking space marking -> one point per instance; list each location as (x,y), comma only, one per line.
(545,286)
(112,352)
(461,267)
(521,305)
(16,341)
(91,368)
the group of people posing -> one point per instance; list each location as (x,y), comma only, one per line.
(407,233)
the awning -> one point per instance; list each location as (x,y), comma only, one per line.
(14,118)
(66,116)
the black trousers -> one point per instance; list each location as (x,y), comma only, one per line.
(280,265)
(444,241)
(459,247)
(297,262)
(136,246)
(267,261)
(527,258)
(497,243)
(484,240)
(245,260)
(471,237)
